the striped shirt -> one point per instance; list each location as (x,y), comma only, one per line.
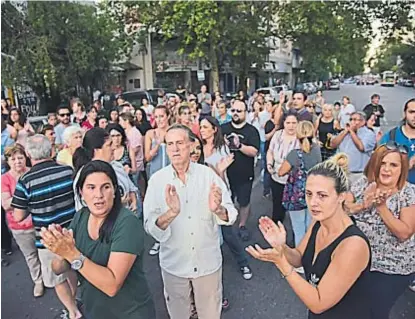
(46,193)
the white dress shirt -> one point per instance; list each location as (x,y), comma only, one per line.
(189,247)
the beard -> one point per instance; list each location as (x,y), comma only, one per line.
(236,120)
(410,124)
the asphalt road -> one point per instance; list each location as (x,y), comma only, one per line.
(265,296)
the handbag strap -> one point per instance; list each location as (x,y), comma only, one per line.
(300,156)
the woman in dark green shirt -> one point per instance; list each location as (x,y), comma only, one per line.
(105,245)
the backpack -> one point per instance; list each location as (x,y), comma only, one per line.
(392,134)
(293,197)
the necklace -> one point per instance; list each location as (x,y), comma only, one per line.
(410,140)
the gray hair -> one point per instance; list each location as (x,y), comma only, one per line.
(183,128)
(69,132)
(38,147)
(361,114)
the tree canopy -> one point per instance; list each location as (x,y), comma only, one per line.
(57,48)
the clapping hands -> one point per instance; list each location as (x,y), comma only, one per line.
(373,196)
(224,163)
(275,235)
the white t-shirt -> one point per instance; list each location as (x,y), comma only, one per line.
(256,122)
(344,114)
(264,117)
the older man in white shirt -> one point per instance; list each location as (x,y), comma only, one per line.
(184,205)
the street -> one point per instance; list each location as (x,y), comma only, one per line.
(265,296)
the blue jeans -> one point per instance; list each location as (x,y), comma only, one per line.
(230,238)
(267,177)
(300,221)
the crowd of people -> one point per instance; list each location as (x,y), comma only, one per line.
(79,195)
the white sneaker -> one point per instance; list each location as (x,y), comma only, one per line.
(155,249)
(246,272)
(38,289)
(300,270)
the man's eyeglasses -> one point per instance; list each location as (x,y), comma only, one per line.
(357,119)
(393,146)
(65,114)
(237,111)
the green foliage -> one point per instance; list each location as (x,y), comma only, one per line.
(213,31)
(334,35)
(57,46)
(387,57)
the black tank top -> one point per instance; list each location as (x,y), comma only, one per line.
(354,304)
(324,129)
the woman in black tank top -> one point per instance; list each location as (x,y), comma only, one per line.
(326,127)
(335,254)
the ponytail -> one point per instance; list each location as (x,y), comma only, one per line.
(305,133)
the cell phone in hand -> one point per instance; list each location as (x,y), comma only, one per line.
(231,139)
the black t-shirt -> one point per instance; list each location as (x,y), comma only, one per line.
(242,169)
(269,126)
(371,108)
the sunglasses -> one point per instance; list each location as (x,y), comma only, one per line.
(65,114)
(393,146)
(237,111)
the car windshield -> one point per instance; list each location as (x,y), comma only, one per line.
(135,98)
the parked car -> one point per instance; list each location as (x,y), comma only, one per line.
(370,81)
(135,97)
(408,83)
(350,81)
(334,84)
(303,87)
(269,92)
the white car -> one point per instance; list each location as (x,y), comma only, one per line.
(269,92)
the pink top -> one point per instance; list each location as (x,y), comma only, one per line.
(8,185)
(135,140)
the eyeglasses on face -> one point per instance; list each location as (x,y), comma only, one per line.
(393,146)
(64,114)
(357,119)
(237,111)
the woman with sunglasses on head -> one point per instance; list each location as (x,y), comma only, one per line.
(383,204)
(104,244)
(17,122)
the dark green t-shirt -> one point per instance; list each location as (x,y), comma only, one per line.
(133,300)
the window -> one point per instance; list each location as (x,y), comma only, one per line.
(137,84)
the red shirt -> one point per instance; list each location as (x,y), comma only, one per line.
(8,185)
(87,125)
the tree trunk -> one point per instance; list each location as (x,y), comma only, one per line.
(214,69)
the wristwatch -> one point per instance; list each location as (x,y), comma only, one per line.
(78,263)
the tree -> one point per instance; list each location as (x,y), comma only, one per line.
(213,31)
(340,31)
(393,52)
(57,48)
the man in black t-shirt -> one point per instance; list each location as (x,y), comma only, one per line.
(243,140)
(375,108)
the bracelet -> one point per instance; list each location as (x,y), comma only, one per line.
(285,276)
